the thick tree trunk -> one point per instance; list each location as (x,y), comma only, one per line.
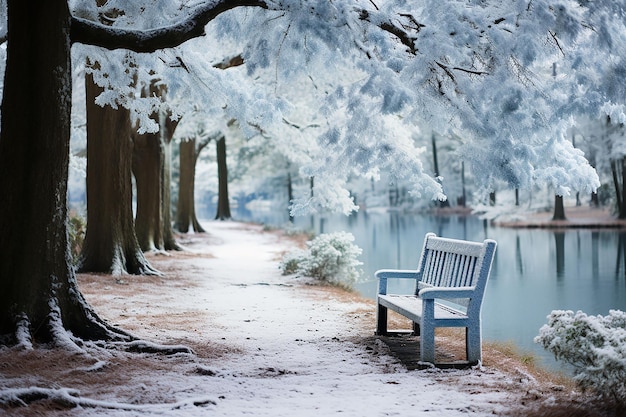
(39,297)
(559,209)
(110,243)
(223,204)
(152,166)
(186,207)
(186,157)
(147,168)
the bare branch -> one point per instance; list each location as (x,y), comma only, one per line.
(300,127)
(448,70)
(374,4)
(556,40)
(93,33)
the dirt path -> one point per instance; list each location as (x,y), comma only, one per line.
(264,345)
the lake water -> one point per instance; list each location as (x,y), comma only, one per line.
(534,272)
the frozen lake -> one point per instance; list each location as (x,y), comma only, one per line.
(535,271)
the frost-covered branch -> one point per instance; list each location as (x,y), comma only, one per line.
(385,24)
(447,69)
(231,62)
(92,33)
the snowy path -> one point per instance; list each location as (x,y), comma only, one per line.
(266,345)
(299,354)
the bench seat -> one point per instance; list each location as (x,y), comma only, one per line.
(411,307)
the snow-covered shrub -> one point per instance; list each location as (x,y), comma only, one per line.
(331,257)
(291,261)
(594,345)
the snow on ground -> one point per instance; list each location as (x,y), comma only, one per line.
(265,344)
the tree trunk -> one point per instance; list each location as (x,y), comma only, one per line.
(39,296)
(110,243)
(147,168)
(186,207)
(167,128)
(618,189)
(289,194)
(559,209)
(223,205)
(152,162)
(446,202)
(463,191)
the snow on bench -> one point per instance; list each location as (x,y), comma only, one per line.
(449,287)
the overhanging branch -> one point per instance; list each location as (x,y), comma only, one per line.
(93,33)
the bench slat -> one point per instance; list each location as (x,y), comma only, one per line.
(411,307)
(447,245)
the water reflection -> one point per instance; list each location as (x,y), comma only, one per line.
(620,263)
(534,272)
(559,243)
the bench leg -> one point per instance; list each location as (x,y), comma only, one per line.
(427,336)
(427,344)
(416,329)
(381,321)
(473,341)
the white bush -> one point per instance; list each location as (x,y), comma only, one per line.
(594,345)
(331,257)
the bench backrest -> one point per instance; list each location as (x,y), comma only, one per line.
(456,263)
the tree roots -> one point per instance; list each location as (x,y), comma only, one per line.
(70,398)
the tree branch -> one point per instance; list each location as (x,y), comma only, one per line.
(556,40)
(403,36)
(231,62)
(447,69)
(93,33)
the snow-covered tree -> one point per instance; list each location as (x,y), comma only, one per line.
(110,244)
(193,138)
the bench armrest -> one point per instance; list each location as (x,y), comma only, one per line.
(384,274)
(446,292)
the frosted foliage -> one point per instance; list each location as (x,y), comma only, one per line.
(330,257)
(355,80)
(594,345)
(482,69)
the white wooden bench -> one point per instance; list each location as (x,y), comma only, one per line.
(449,286)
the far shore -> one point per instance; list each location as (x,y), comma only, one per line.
(578,217)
